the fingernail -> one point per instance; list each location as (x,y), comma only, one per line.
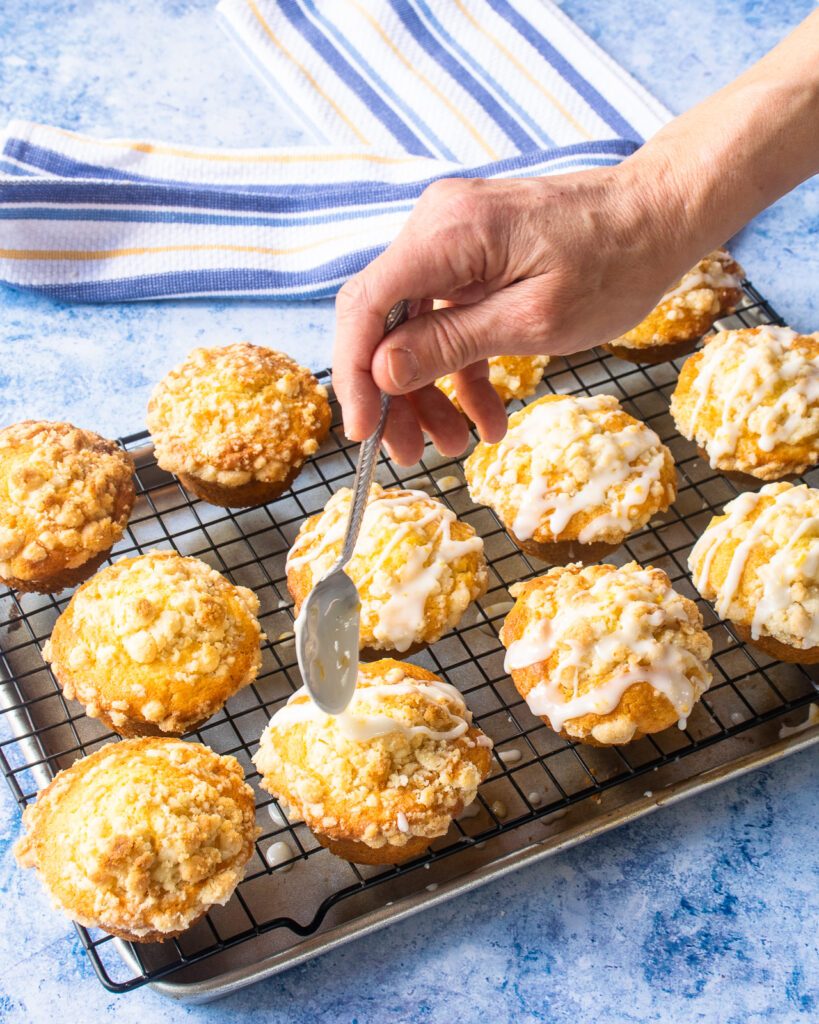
(402,367)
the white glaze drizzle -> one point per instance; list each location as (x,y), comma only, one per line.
(779,574)
(549,429)
(705,278)
(749,403)
(278,853)
(400,605)
(671,670)
(361,727)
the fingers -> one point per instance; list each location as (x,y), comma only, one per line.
(438,417)
(480,401)
(446,340)
(438,252)
(402,436)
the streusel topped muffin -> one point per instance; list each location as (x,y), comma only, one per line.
(759,563)
(573,477)
(156,644)
(236,423)
(710,290)
(416,566)
(377,783)
(140,838)
(65,498)
(513,377)
(606,655)
(750,399)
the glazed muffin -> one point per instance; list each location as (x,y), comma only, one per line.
(712,289)
(417,568)
(236,424)
(142,837)
(156,644)
(759,563)
(65,498)
(513,377)
(378,783)
(573,477)
(606,655)
(750,400)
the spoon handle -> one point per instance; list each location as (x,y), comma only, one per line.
(368,453)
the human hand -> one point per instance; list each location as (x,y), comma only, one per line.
(550,265)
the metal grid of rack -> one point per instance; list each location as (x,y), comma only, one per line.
(535,773)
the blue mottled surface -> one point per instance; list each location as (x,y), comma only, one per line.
(702,912)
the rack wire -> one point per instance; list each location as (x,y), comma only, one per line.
(535,773)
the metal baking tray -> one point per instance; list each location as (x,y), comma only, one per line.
(544,793)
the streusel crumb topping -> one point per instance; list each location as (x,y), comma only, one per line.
(400,762)
(65,495)
(141,836)
(513,377)
(235,414)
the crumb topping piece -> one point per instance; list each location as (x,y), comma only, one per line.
(400,762)
(759,563)
(159,638)
(573,468)
(578,639)
(416,566)
(65,496)
(142,836)
(236,414)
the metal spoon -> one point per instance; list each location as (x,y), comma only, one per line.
(327,627)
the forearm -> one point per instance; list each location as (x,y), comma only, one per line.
(718,165)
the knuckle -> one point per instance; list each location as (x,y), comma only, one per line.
(352,295)
(456,345)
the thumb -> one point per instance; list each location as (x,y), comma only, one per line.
(447,340)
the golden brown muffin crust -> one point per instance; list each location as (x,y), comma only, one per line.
(750,399)
(606,655)
(513,377)
(573,469)
(237,414)
(65,498)
(156,643)
(386,789)
(417,567)
(141,837)
(708,291)
(759,563)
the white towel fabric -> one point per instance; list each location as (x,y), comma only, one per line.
(398,92)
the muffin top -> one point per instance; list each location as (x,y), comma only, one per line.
(605,653)
(759,563)
(750,398)
(573,469)
(235,414)
(160,639)
(141,837)
(511,376)
(65,496)
(416,566)
(401,761)
(707,292)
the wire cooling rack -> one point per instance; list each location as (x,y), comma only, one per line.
(301,890)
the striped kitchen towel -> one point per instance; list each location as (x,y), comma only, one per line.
(397,93)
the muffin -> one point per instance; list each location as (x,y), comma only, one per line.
(236,424)
(513,377)
(142,837)
(672,329)
(759,563)
(65,498)
(573,477)
(750,400)
(417,568)
(378,783)
(156,644)
(606,655)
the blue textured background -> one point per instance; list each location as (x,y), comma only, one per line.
(703,912)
